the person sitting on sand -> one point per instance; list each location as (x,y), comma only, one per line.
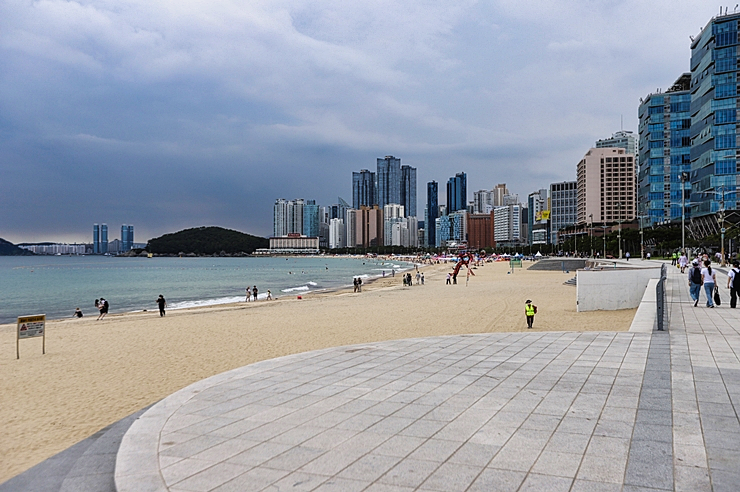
(77,314)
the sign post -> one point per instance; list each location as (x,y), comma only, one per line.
(31,327)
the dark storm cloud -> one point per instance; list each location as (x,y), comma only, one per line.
(178,114)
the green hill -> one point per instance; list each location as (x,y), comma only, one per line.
(206,241)
(9,249)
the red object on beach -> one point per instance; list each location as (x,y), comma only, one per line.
(299,297)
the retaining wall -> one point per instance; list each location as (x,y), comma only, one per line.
(612,289)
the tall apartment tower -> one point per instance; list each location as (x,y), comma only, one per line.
(311,219)
(389,181)
(665,153)
(127,238)
(280,218)
(457,193)
(363,189)
(96,239)
(408,190)
(606,186)
(563,208)
(432,213)
(104,238)
(714,104)
(498,193)
(482,201)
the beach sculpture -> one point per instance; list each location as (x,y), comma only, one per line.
(464,259)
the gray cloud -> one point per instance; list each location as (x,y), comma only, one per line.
(170,115)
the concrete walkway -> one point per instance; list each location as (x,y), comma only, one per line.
(608,411)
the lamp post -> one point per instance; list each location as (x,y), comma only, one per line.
(684,178)
(591,234)
(604,237)
(619,219)
(722,225)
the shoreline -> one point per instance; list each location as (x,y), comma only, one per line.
(95,373)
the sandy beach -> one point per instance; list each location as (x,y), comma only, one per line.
(97,372)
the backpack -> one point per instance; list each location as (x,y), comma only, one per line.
(696,275)
(735,280)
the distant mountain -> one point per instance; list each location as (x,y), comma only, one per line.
(9,249)
(206,241)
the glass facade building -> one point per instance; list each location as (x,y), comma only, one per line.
(408,190)
(363,189)
(714,97)
(311,219)
(664,153)
(563,207)
(432,213)
(457,193)
(389,181)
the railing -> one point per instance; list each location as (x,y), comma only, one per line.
(660,297)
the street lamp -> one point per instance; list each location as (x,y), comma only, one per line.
(684,178)
(591,234)
(722,224)
(604,237)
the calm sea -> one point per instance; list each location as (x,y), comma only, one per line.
(56,285)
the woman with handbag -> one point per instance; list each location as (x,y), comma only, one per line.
(709,280)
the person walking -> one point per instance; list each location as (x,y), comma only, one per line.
(530,310)
(161,303)
(674,258)
(449,276)
(683,261)
(733,283)
(709,279)
(628,255)
(103,307)
(269,295)
(254,293)
(418,277)
(422,278)
(695,281)
(249,294)
(359,284)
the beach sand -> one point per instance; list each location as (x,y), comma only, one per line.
(97,372)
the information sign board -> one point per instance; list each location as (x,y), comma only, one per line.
(31,327)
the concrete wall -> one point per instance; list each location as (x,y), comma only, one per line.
(612,289)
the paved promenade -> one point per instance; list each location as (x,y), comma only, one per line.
(521,411)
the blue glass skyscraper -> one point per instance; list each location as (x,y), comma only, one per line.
(432,213)
(664,151)
(457,193)
(363,189)
(96,239)
(311,219)
(408,191)
(714,96)
(389,181)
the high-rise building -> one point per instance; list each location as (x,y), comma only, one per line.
(287,217)
(350,238)
(363,189)
(563,208)
(623,139)
(432,213)
(457,193)
(392,214)
(665,153)
(507,224)
(498,193)
(295,216)
(480,231)
(389,181)
(408,190)
(482,201)
(96,239)
(606,186)
(714,105)
(337,233)
(127,238)
(310,219)
(104,238)
(536,204)
(280,218)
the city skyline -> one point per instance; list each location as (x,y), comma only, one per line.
(295,102)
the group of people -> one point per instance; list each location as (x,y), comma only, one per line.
(704,276)
(101,305)
(252,294)
(357,283)
(409,281)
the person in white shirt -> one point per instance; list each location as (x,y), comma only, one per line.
(733,283)
(683,261)
(709,280)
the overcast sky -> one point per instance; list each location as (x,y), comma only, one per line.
(176,114)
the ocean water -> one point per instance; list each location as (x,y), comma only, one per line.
(56,285)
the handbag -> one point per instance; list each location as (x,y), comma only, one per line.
(717,298)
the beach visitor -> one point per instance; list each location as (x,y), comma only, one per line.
(354,283)
(269,294)
(254,293)
(77,313)
(359,284)
(695,281)
(249,293)
(454,279)
(161,303)
(529,311)
(422,278)
(103,308)
(449,275)
(418,277)
(97,304)
(709,280)
(683,261)
(733,283)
